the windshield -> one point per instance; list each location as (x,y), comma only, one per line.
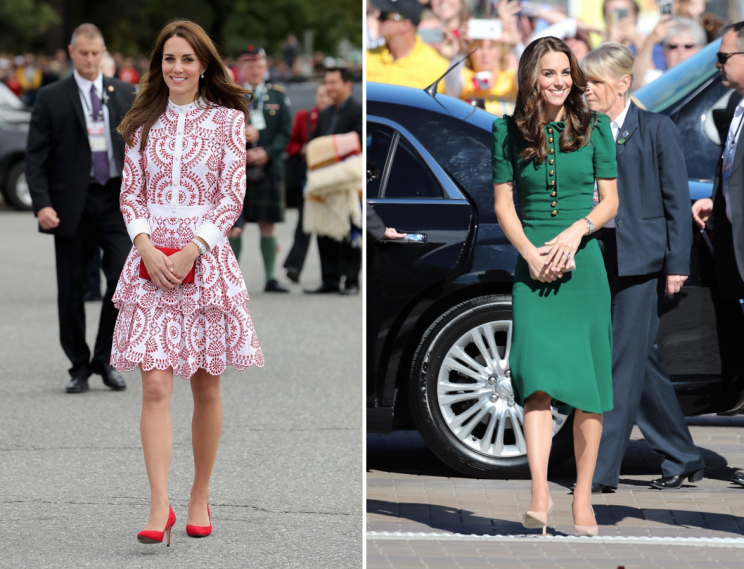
(8,99)
(680,81)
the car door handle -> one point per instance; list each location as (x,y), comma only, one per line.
(409,239)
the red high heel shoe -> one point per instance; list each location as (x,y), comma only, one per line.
(151,536)
(200,531)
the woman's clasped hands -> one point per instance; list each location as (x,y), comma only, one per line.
(548,262)
(166,272)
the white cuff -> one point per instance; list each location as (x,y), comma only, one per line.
(137,226)
(210,233)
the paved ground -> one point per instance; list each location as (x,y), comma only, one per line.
(416,506)
(287,486)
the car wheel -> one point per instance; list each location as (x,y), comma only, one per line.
(15,188)
(461,395)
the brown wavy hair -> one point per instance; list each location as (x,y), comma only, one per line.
(529,114)
(217,86)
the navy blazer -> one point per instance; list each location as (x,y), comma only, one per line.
(654,220)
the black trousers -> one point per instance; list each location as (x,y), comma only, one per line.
(642,391)
(101,225)
(297,254)
(337,259)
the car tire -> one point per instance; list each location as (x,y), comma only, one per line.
(15,188)
(468,428)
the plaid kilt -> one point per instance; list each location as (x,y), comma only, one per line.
(265,200)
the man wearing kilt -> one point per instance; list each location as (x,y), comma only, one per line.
(266,137)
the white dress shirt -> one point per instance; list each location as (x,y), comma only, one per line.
(84,92)
(729,152)
(615,125)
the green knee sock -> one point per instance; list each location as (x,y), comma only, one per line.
(236,243)
(268,251)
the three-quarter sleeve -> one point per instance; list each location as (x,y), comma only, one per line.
(133,197)
(501,152)
(231,184)
(605,155)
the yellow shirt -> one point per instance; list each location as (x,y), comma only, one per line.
(499,98)
(420,68)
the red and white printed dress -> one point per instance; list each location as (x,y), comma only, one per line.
(189,181)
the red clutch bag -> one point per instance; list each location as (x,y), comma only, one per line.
(145,275)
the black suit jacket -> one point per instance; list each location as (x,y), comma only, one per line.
(654,221)
(58,157)
(729,236)
(349,120)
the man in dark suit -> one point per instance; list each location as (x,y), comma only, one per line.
(339,258)
(74,160)
(726,205)
(646,251)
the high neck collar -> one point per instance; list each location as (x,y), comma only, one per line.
(183,109)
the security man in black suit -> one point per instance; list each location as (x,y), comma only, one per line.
(726,205)
(345,115)
(74,160)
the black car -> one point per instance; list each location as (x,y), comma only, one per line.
(439,301)
(14,120)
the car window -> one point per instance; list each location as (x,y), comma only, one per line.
(410,177)
(379,138)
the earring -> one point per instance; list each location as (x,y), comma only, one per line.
(202,75)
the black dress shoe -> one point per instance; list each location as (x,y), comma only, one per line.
(113,379)
(738,478)
(92,296)
(597,488)
(293,274)
(77,385)
(323,289)
(274,286)
(674,482)
(350,290)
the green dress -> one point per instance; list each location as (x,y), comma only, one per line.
(562,335)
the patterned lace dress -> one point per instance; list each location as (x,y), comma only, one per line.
(189,180)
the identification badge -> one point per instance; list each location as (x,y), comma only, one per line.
(97,136)
(258,120)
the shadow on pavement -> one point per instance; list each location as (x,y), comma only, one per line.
(405,452)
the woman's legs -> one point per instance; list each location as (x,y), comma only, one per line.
(157,436)
(206,428)
(587,434)
(538,434)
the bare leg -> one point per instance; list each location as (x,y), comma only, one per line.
(587,434)
(157,437)
(206,428)
(538,434)
(266,228)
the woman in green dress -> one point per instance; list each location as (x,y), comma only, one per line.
(554,148)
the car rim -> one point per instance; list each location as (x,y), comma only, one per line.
(475,394)
(22,190)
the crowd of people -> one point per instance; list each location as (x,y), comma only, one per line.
(25,74)
(414,42)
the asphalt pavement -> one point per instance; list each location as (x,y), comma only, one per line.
(420,513)
(287,484)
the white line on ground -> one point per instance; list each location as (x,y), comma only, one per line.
(568,539)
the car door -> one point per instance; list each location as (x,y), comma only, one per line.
(411,193)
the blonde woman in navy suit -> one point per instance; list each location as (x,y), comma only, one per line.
(646,250)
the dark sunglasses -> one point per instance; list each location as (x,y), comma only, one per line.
(723,56)
(385,16)
(673,46)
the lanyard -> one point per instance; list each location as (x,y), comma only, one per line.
(104,101)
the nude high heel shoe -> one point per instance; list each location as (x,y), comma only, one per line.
(536,520)
(588,531)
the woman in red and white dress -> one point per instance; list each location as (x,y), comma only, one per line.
(182,188)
